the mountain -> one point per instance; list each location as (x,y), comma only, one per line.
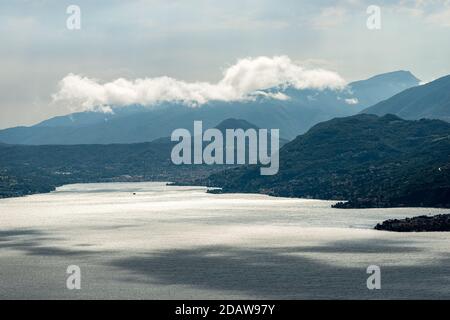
(368,160)
(438,223)
(300,110)
(83,119)
(431,101)
(381,87)
(232,123)
(34,169)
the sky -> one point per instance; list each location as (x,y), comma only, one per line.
(142,51)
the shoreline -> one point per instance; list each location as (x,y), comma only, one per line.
(211,190)
(113,235)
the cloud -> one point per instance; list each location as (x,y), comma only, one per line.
(351,101)
(272,95)
(436,12)
(241,81)
(330,17)
(441,18)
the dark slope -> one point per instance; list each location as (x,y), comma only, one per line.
(431,101)
(370,161)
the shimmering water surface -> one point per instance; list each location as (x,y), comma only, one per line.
(152,241)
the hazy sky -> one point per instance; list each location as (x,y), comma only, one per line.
(201,41)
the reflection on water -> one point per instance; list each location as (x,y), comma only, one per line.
(147,240)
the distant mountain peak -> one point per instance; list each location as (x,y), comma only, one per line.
(430,101)
(232,123)
(399,75)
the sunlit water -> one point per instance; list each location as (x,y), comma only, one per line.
(151,241)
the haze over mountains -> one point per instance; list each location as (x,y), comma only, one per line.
(431,101)
(293,115)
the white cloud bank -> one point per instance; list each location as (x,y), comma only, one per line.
(241,81)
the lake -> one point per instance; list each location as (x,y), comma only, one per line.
(152,241)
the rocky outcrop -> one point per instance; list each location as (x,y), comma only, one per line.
(440,222)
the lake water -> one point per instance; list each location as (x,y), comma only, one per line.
(166,242)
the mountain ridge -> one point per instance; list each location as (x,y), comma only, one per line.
(430,100)
(28,169)
(142,124)
(367,160)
